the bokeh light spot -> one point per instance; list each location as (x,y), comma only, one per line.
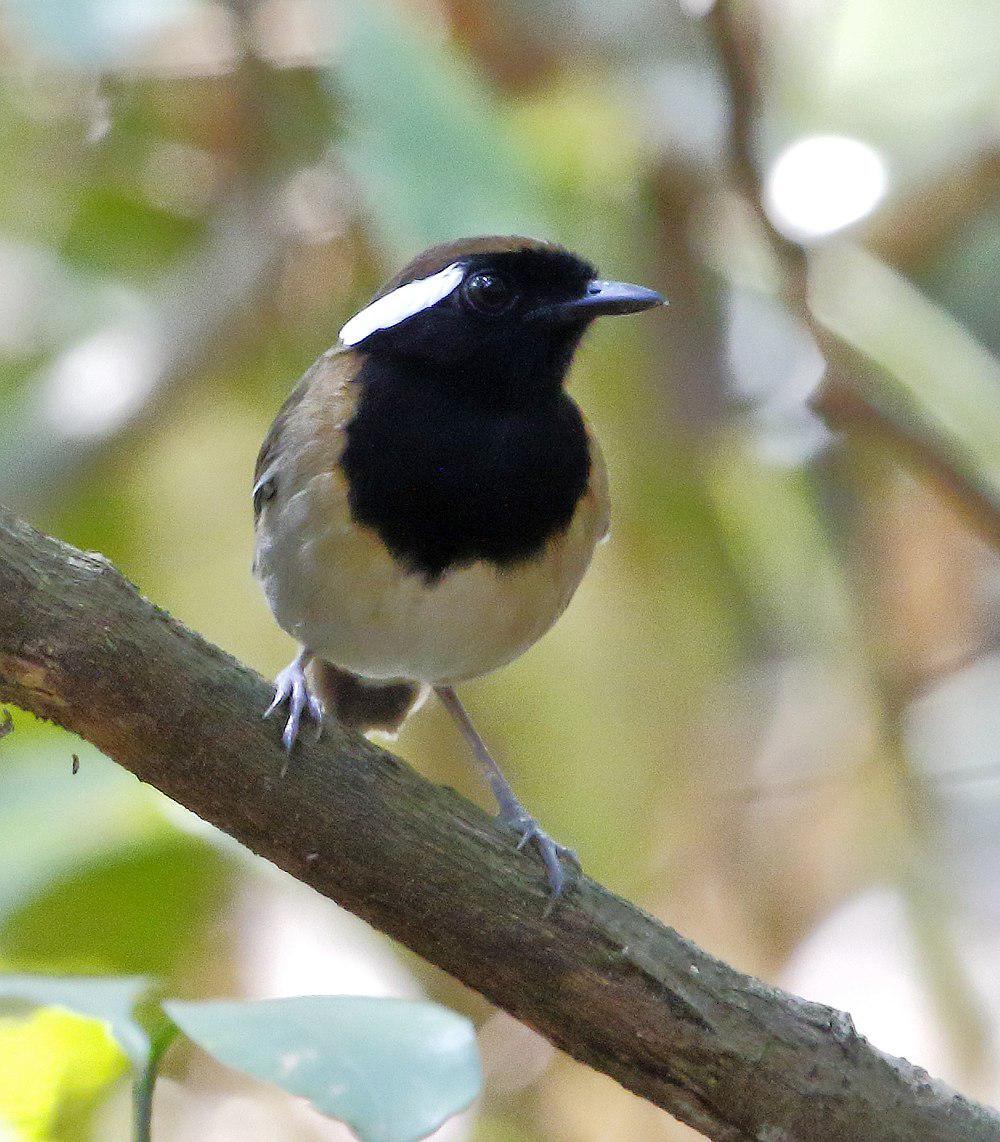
(822,183)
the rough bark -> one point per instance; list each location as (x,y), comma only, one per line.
(729,1055)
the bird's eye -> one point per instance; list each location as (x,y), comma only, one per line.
(489,293)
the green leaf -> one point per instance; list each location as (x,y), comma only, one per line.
(426,140)
(392,1069)
(160,893)
(116,232)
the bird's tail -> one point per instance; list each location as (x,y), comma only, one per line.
(359,703)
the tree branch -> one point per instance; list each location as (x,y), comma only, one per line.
(727,1054)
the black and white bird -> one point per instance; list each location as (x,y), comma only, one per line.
(429,497)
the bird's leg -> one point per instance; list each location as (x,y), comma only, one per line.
(291,686)
(512,812)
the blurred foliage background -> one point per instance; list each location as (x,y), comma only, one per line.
(770,715)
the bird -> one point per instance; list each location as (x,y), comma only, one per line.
(429,496)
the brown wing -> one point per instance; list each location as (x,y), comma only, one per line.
(316,409)
(264,480)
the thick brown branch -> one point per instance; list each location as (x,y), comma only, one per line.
(731,1056)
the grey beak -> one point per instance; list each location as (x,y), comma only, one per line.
(605,297)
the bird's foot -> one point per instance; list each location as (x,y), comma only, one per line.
(291,686)
(552,853)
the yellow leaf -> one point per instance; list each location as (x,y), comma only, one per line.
(53,1067)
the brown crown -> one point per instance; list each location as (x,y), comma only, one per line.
(437,257)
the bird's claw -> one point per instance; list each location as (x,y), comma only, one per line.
(552,853)
(290,686)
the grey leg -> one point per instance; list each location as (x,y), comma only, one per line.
(512,812)
(290,686)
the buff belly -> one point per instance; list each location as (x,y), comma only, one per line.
(335,588)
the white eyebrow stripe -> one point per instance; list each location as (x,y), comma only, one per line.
(402,303)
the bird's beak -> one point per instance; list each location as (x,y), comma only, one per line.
(604,297)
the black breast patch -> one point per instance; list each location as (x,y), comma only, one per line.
(445,483)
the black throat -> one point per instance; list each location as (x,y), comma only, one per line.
(446,481)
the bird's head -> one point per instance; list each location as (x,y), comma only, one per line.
(496,318)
